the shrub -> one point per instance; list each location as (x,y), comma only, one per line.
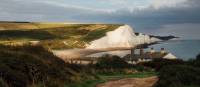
(178,76)
(22,66)
(113,62)
(197,61)
(157,64)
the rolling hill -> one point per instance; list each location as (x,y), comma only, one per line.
(52,35)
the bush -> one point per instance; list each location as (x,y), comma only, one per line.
(178,76)
(194,62)
(157,64)
(22,66)
(113,62)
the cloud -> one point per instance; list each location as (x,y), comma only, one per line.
(157,4)
(144,15)
(155,18)
(124,10)
(143,4)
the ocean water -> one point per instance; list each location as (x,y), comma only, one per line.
(183,49)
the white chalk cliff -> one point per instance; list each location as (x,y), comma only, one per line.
(120,37)
(116,42)
(124,36)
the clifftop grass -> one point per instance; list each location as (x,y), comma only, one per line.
(55,36)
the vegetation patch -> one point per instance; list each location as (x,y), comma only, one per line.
(178,76)
(176,73)
(67,35)
(34,66)
(109,77)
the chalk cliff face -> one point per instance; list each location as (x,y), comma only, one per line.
(124,36)
(143,39)
(146,39)
(115,42)
(121,37)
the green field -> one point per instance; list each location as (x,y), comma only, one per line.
(56,36)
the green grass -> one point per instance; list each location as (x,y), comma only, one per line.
(26,34)
(95,34)
(75,35)
(119,76)
(109,77)
(23,66)
(76,31)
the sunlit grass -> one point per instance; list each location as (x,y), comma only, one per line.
(56,36)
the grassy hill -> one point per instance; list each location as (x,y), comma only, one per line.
(53,35)
(28,25)
(34,66)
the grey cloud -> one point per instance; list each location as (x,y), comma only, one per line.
(150,15)
(34,11)
(145,20)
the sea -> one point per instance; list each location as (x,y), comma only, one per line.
(183,49)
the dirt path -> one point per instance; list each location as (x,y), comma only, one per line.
(131,82)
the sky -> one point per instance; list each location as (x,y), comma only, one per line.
(158,17)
